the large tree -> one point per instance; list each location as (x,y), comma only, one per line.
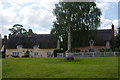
(82,17)
(17,29)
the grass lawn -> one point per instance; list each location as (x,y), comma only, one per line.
(81,67)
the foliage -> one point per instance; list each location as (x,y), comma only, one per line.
(17,29)
(117,49)
(69,58)
(104,50)
(117,39)
(81,67)
(81,17)
(3,55)
(26,54)
(57,51)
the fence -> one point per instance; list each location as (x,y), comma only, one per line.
(93,54)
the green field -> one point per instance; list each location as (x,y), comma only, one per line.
(81,67)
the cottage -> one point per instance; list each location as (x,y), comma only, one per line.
(34,45)
(43,45)
(103,39)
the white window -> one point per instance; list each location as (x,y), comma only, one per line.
(15,53)
(36,54)
(107,43)
(59,54)
(19,46)
(91,42)
(36,46)
(48,53)
(91,50)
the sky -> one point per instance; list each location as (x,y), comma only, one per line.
(37,14)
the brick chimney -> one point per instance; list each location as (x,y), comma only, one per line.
(5,37)
(112,26)
(30,32)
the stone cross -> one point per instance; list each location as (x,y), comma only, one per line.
(69,38)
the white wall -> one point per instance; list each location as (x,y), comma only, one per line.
(42,52)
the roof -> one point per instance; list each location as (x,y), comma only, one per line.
(45,41)
(102,36)
(98,36)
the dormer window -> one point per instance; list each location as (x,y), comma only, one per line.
(91,42)
(36,46)
(19,46)
(107,43)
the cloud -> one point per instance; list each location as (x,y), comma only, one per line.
(106,23)
(103,6)
(116,1)
(8,17)
(106,20)
(115,22)
(36,14)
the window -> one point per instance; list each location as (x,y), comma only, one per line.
(35,53)
(59,54)
(107,43)
(91,50)
(36,46)
(91,42)
(48,53)
(15,53)
(19,46)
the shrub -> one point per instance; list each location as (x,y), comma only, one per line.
(69,58)
(26,55)
(117,49)
(3,55)
(104,50)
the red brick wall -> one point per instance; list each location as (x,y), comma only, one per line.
(96,48)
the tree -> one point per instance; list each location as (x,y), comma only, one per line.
(117,39)
(17,29)
(0,42)
(82,16)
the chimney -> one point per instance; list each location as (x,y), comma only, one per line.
(5,37)
(30,32)
(112,31)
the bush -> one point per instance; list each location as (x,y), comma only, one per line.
(69,58)
(26,55)
(117,49)
(3,55)
(104,50)
(57,51)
